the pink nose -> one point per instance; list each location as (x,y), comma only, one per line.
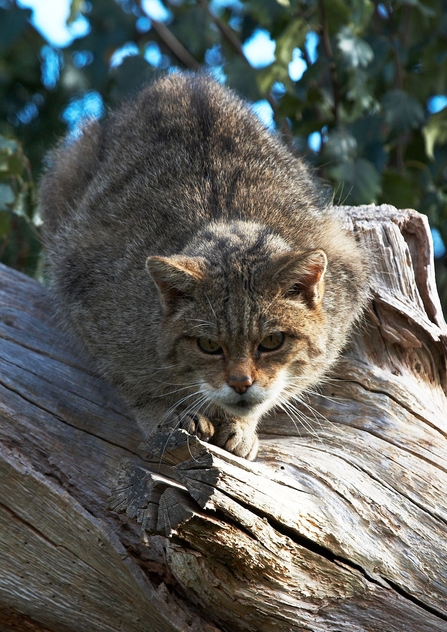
(240,384)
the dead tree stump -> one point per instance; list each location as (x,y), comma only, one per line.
(340,524)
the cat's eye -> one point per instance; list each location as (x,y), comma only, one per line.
(208,345)
(272,341)
(296,290)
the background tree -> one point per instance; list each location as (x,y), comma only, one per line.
(359,86)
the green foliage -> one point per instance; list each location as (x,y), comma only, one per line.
(19,245)
(435,132)
(364,94)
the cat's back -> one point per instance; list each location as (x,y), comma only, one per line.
(184,152)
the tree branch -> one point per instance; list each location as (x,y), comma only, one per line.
(171,41)
(188,60)
(330,56)
(175,45)
(228,34)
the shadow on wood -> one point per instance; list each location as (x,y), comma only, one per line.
(339,524)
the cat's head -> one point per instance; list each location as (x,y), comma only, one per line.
(243,319)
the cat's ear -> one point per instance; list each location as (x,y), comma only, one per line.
(175,277)
(301,274)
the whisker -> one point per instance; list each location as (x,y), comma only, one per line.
(179,420)
(297,415)
(183,388)
(199,320)
(194,406)
(173,383)
(212,308)
(210,403)
(335,400)
(164,368)
(178,403)
(315,413)
(284,408)
(203,325)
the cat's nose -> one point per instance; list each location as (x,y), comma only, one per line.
(240,384)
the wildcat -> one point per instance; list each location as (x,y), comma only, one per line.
(197,260)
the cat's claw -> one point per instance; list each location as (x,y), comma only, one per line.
(233,437)
(240,441)
(199,426)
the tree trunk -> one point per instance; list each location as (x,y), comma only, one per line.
(340,524)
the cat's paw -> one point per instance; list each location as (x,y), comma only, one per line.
(198,425)
(240,440)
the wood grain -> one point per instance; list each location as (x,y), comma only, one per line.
(67,562)
(339,524)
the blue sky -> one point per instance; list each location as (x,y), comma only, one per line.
(50,16)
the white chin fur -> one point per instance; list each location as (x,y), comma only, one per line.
(254,403)
(249,412)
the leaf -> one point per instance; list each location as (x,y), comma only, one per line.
(13,22)
(7,197)
(12,162)
(7,149)
(359,181)
(368,132)
(20,204)
(338,13)
(340,147)
(265,11)
(5,224)
(242,78)
(8,146)
(76,7)
(423,8)
(361,12)
(402,112)
(360,92)
(435,132)
(195,31)
(398,190)
(306,127)
(291,107)
(266,77)
(16,165)
(293,36)
(434,62)
(355,52)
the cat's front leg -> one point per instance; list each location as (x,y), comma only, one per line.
(234,435)
(237,436)
(197,424)
(153,415)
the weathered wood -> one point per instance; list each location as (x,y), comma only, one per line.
(66,562)
(339,524)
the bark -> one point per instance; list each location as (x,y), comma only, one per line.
(339,524)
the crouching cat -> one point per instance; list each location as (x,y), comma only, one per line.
(194,256)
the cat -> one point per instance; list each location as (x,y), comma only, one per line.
(198,261)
